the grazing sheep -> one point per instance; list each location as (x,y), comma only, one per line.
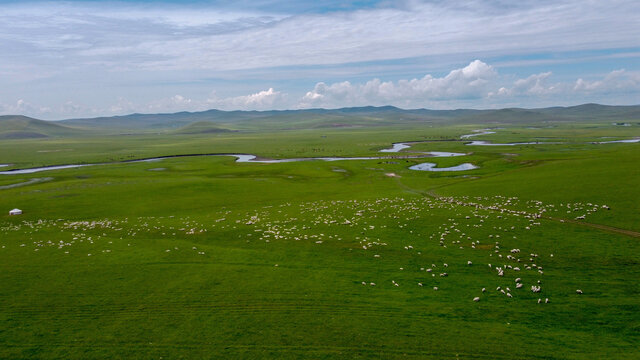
(546,301)
(469,263)
(518,285)
(483,289)
(518,280)
(476,299)
(435,288)
(578,291)
(539,300)
(509,295)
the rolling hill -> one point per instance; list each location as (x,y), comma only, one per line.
(351,117)
(201,127)
(23,127)
(214,121)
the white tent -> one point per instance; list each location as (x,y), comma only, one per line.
(15,212)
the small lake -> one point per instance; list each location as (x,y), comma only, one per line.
(432,167)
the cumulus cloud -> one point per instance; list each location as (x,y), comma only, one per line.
(535,84)
(469,82)
(262,100)
(476,85)
(65,109)
(615,81)
(19,107)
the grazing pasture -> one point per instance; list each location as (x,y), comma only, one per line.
(534,254)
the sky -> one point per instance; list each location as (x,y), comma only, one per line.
(100,58)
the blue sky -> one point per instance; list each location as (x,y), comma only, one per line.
(94,58)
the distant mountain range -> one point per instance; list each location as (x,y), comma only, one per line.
(217,121)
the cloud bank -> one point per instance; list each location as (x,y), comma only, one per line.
(477,83)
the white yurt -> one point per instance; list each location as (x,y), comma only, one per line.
(15,212)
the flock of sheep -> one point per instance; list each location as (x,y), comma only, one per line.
(377,227)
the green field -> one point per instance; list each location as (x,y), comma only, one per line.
(203,257)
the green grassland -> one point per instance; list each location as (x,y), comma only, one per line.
(203,257)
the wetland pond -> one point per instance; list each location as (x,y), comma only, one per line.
(432,167)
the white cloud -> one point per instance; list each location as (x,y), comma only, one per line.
(615,81)
(122,106)
(262,100)
(476,85)
(23,107)
(266,99)
(469,82)
(535,84)
(166,105)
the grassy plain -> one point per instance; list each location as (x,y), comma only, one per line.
(203,257)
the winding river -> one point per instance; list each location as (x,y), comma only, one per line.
(241,158)
(617,141)
(477,133)
(487,143)
(396,147)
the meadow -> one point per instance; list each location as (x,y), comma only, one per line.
(533,255)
